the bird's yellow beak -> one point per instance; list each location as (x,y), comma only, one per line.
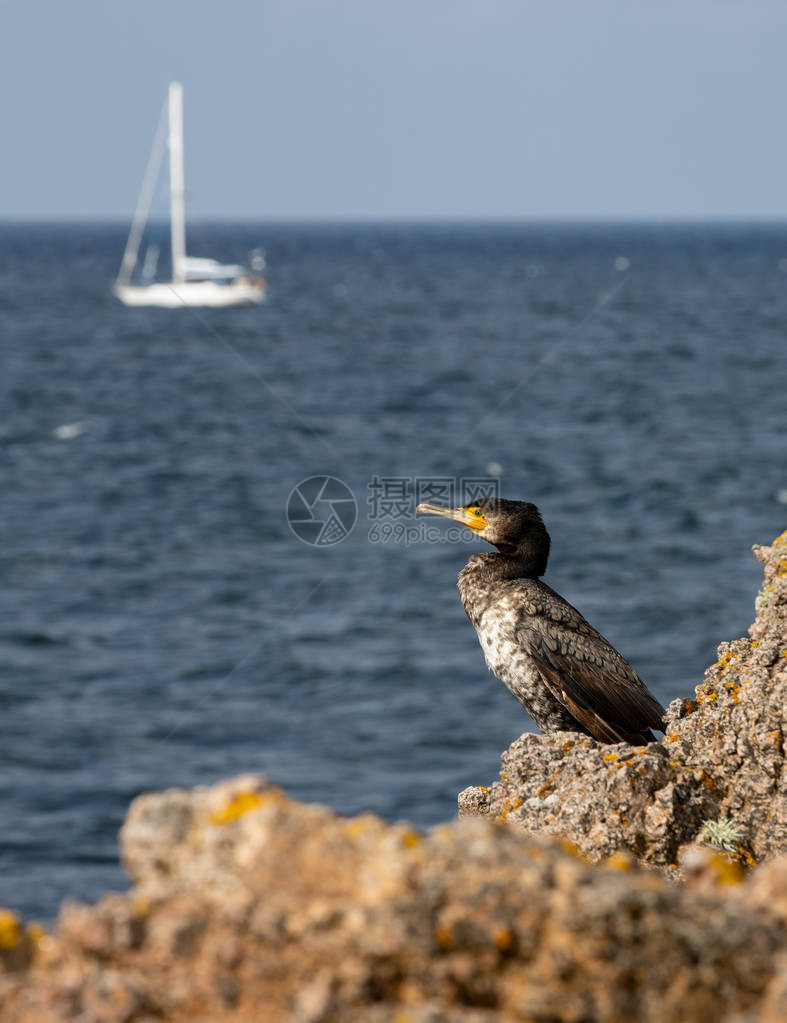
(471,517)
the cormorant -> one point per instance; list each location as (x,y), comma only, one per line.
(563,672)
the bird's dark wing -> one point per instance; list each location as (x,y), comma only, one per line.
(586,673)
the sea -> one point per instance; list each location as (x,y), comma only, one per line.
(163,622)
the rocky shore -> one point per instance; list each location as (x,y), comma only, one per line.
(722,758)
(585,884)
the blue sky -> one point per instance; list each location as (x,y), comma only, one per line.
(369,108)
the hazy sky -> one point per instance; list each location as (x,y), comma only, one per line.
(408,108)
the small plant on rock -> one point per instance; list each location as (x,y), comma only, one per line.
(722,834)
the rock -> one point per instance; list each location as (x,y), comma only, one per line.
(250,908)
(247,907)
(722,759)
(17,943)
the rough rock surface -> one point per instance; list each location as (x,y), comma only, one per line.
(722,756)
(249,907)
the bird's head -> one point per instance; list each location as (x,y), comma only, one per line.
(514,527)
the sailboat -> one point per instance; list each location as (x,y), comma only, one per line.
(195,281)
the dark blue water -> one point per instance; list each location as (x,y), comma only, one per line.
(145,552)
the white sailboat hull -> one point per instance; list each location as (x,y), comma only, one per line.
(207,294)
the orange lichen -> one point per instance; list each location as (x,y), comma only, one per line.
(725,870)
(241,804)
(410,839)
(509,805)
(618,861)
(9,929)
(357,826)
(504,938)
(35,931)
(444,936)
(610,758)
(140,906)
(734,690)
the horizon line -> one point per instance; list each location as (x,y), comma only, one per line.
(425,219)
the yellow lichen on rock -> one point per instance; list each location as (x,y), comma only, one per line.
(619,860)
(35,932)
(9,929)
(240,804)
(289,917)
(357,827)
(726,870)
(734,690)
(508,806)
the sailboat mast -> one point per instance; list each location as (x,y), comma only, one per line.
(176,185)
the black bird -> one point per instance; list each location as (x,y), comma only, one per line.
(563,672)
